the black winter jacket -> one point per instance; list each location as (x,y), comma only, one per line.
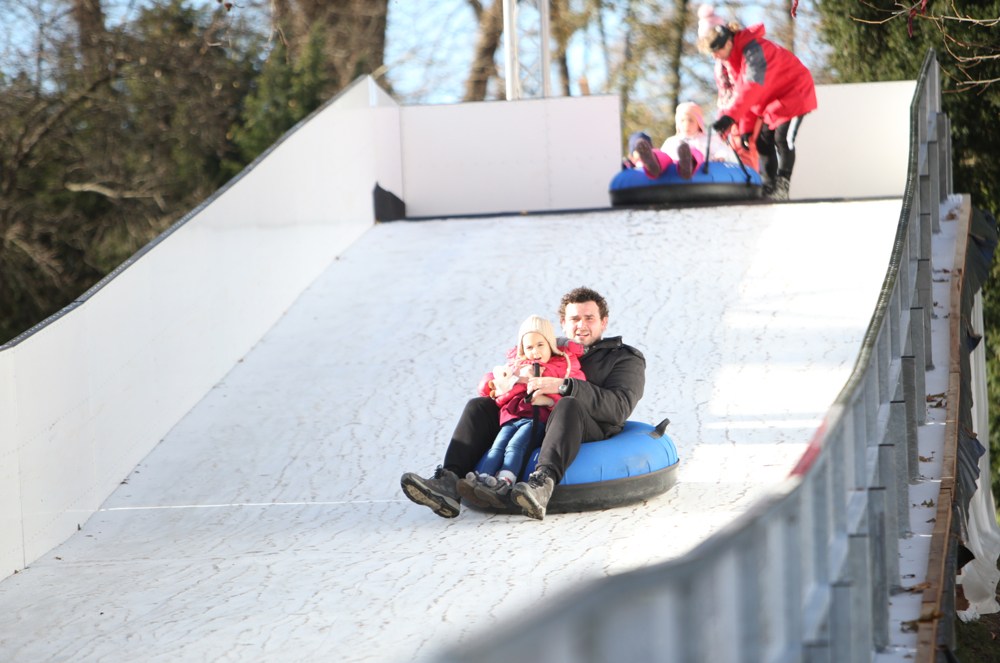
(616,377)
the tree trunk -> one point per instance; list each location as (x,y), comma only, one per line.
(483,69)
(562,30)
(89,18)
(785,30)
(629,65)
(353,33)
(675,52)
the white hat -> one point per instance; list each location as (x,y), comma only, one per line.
(692,108)
(708,21)
(537,323)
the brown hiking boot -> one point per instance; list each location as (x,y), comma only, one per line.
(685,161)
(439,493)
(533,496)
(649,161)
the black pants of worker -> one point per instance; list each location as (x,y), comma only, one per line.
(776,148)
(567,428)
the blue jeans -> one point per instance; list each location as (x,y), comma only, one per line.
(509,449)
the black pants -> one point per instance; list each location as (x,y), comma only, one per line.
(567,428)
(776,148)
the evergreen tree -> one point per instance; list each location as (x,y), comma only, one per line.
(97,156)
(284,93)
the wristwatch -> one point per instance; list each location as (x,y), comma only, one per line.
(566,388)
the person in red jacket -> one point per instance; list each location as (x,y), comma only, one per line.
(536,350)
(758,81)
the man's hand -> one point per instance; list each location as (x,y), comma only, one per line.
(539,386)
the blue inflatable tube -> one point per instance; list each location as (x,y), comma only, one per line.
(719,182)
(636,464)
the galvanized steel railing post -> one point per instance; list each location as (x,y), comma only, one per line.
(912,419)
(918,345)
(944,134)
(893,495)
(878,526)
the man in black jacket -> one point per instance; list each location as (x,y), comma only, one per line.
(589,410)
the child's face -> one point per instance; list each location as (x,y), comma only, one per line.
(687,124)
(724,52)
(536,348)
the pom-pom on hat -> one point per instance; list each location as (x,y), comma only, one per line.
(634,139)
(537,323)
(708,21)
(693,109)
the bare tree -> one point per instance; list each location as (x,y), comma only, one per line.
(677,29)
(353,33)
(784,30)
(92,34)
(967,40)
(490,21)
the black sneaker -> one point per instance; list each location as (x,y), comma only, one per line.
(534,495)
(466,490)
(439,493)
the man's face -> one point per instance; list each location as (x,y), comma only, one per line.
(583,323)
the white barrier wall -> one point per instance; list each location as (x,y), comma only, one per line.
(855,144)
(561,153)
(510,156)
(88,394)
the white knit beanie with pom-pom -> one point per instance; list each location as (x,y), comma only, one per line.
(708,20)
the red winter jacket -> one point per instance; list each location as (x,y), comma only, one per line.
(762,79)
(513,404)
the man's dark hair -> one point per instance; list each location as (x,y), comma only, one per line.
(579,296)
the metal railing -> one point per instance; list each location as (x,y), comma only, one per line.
(807,573)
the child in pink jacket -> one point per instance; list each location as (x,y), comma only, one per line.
(536,350)
(642,154)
